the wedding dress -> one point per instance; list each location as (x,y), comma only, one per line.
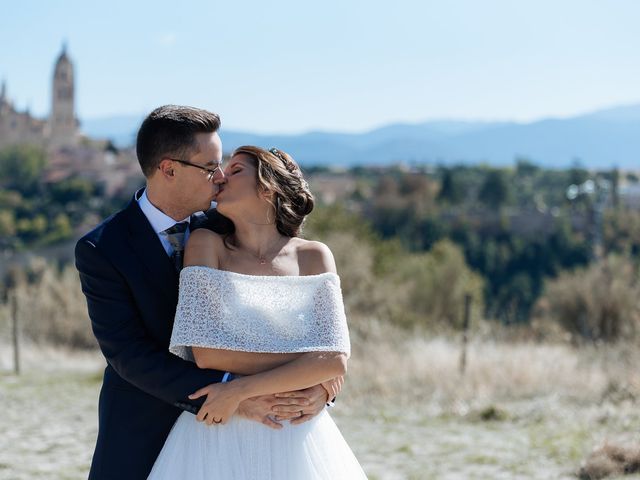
(276,314)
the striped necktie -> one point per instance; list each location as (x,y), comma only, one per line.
(175,235)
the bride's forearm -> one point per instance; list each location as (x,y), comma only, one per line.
(308,370)
(242,363)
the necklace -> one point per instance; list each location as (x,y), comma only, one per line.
(262,258)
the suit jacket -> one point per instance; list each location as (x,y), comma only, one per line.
(131,288)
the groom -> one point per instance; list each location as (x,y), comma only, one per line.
(129,274)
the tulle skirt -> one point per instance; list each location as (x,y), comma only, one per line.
(246,450)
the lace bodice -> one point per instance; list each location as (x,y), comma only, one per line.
(275,314)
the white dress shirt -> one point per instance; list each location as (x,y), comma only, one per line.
(160,221)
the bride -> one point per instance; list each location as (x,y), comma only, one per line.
(265,304)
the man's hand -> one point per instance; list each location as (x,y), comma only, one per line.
(259,409)
(301,405)
(298,406)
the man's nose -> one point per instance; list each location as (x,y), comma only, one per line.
(219,178)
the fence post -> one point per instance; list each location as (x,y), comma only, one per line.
(13,307)
(465,333)
(13,279)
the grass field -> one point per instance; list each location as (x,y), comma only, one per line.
(48,416)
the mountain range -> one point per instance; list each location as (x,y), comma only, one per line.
(600,139)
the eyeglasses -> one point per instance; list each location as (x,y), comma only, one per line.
(210,173)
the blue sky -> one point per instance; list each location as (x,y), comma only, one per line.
(294,66)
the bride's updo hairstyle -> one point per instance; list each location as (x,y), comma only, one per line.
(280,178)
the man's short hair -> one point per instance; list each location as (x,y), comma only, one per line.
(169,131)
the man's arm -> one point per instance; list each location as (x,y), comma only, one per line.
(123,340)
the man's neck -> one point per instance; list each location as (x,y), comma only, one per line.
(176,212)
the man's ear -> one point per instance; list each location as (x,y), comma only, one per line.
(166,167)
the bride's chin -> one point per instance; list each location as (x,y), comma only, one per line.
(224,209)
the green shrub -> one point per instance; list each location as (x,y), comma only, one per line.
(21,167)
(599,302)
(432,288)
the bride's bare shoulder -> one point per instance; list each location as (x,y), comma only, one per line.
(204,247)
(314,257)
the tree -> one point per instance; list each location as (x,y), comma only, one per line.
(494,191)
(432,287)
(60,229)
(526,168)
(578,174)
(21,167)
(7,224)
(615,187)
(451,191)
(72,190)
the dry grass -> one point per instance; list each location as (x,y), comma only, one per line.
(521,410)
(51,308)
(36,357)
(611,459)
(388,362)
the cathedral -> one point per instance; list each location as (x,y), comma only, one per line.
(60,130)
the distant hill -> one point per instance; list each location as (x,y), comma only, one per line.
(119,129)
(600,139)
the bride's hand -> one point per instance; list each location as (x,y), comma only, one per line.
(221,403)
(333,387)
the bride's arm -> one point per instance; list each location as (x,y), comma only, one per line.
(242,363)
(306,370)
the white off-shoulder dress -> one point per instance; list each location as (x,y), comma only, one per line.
(276,314)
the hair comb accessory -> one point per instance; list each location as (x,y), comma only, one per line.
(288,165)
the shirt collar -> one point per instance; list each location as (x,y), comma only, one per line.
(159,220)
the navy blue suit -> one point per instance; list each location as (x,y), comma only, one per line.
(131,287)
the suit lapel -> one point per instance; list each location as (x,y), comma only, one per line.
(149,250)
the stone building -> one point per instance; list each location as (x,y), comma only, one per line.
(58,131)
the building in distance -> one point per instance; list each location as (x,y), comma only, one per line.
(59,130)
(69,153)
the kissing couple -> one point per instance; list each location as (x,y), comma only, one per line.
(224,332)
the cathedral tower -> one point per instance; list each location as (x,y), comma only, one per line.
(62,121)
